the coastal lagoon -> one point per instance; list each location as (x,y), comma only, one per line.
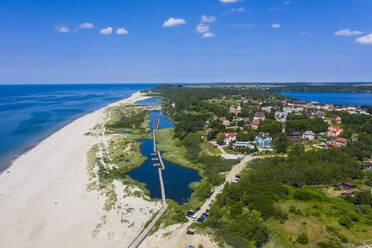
(342,98)
(30,113)
(176,178)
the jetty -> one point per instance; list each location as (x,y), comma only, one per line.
(156,158)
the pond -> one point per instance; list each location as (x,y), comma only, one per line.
(176,178)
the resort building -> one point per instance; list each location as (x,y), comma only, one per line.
(263,140)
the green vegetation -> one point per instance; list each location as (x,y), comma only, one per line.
(281,201)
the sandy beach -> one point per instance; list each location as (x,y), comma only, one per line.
(44,200)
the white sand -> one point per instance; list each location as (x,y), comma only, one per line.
(44,201)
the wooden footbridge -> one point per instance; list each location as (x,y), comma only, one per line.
(157,162)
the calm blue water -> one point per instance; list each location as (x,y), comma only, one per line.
(342,98)
(149,101)
(30,113)
(176,178)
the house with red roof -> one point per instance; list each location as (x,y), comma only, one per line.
(334,131)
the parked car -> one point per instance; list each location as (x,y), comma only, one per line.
(190,213)
(200,219)
(190,246)
(207,210)
(194,218)
(197,209)
(189,232)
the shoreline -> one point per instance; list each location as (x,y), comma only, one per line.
(68,123)
(44,201)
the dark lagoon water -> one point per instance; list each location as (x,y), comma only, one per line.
(176,178)
(342,98)
(30,113)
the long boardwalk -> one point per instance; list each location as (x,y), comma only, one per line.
(142,235)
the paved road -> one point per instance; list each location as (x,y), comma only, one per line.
(229,178)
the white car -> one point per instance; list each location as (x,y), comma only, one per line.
(194,218)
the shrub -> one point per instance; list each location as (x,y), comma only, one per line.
(305,195)
(345,221)
(302,239)
(292,209)
(353,216)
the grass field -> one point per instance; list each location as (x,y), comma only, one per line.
(172,149)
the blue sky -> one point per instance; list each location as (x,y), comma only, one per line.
(130,41)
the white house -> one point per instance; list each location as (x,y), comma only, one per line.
(309,135)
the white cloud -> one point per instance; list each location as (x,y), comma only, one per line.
(229,1)
(63,29)
(347,32)
(206,19)
(171,22)
(233,10)
(275,25)
(202,28)
(208,35)
(121,31)
(86,25)
(365,40)
(106,31)
(241,9)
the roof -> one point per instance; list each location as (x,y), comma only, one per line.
(309,133)
(295,134)
(256,122)
(342,140)
(259,114)
(230,135)
(335,128)
(222,118)
(264,136)
(348,184)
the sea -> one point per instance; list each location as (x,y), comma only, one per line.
(30,113)
(342,98)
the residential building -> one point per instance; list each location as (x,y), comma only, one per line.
(338,119)
(341,141)
(348,185)
(235,109)
(255,123)
(263,140)
(243,145)
(259,116)
(281,116)
(225,121)
(230,137)
(308,135)
(334,131)
(295,136)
